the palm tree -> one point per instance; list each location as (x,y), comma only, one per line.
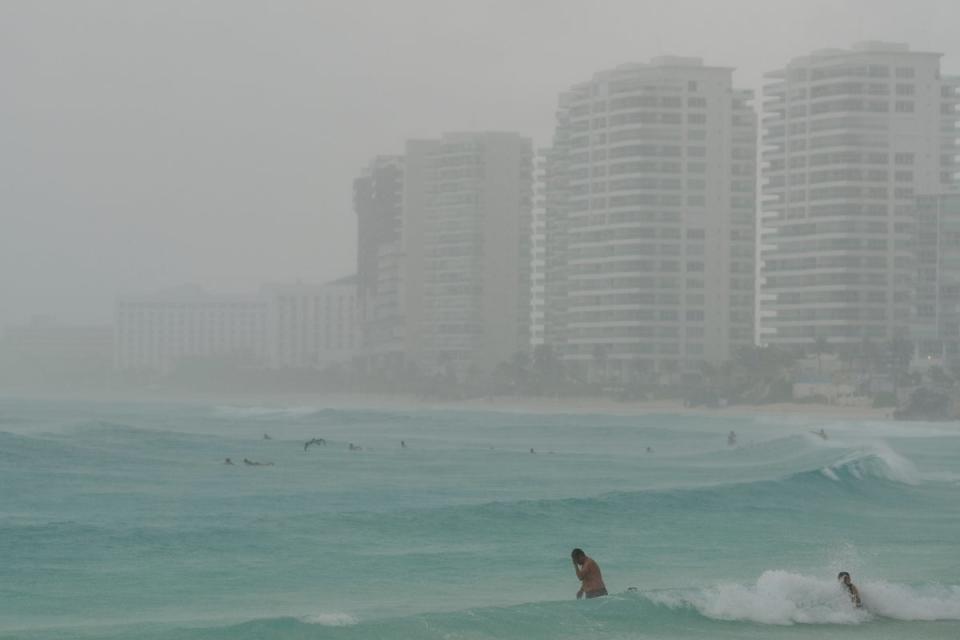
(870,355)
(756,369)
(940,378)
(642,368)
(600,360)
(547,367)
(900,351)
(670,367)
(519,366)
(820,347)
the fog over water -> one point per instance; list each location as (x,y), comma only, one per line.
(147,144)
(399,319)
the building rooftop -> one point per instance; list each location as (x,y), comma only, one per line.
(868,47)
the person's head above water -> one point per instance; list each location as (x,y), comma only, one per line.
(843,577)
(578,555)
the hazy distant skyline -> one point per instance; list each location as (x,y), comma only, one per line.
(144,145)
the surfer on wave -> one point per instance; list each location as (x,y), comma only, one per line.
(319,441)
(852,590)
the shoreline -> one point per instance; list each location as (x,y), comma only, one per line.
(530,405)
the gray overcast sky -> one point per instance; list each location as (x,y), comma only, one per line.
(145,144)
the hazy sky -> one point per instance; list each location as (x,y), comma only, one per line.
(146,144)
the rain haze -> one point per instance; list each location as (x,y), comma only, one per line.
(502,320)
(149,144)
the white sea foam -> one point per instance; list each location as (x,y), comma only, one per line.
(229,411)
(830,473)
(330,619)
(879,460)
(858,428)
(786,598)
(902,602)
(778,597)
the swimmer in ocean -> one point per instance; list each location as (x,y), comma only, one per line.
(852,590)
(822,433)
(314,441)
(588,573)
(732,439)
(228,461)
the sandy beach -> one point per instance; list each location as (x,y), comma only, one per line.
(386,402)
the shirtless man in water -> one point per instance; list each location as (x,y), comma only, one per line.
(588,572)
(852,591)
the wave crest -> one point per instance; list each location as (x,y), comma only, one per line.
(778,597)
(785,598)
(330,619)
(234,412)
(881,461)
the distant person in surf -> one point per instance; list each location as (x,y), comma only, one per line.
(852,590)
(228,461)
(822,433)
(314,441)
(732,439)
(588,573)
(266,437)
(403,445)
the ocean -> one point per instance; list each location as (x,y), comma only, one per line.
(122,521)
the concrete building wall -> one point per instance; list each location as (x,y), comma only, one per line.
(312,326)
(282,326)
(653,183)
(466,231)
(156,332)
(412,248)
(378,204)
(538,250)
(936,313)
(851,137)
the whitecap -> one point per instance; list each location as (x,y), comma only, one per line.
(330,619)
(879,460)
(229,411)
(786,598)
(902,602)
(778,597)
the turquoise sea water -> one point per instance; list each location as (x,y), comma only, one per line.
(120,521)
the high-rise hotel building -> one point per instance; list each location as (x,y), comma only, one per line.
(466,238)
(378,203)
(651,219)
(851,138)
(538,250)
(936,319)
(444,256)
